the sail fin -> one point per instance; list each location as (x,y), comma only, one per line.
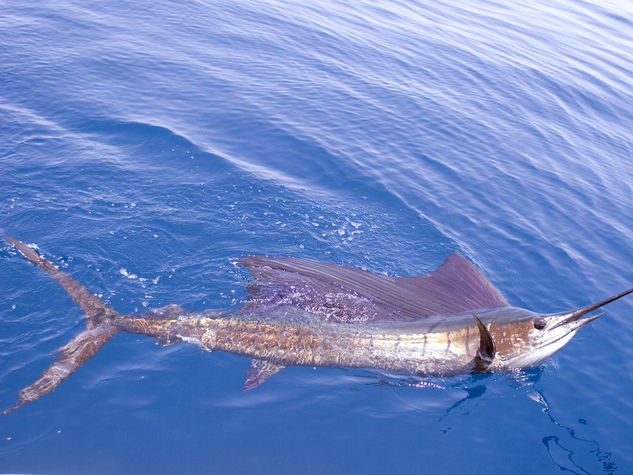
(455,286)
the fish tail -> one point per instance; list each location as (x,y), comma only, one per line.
(99,329)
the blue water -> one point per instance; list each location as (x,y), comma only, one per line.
(145,147)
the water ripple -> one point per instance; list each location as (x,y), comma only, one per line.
(146,149)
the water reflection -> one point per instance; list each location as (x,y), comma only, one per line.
(471,393)
(559,450)
(564,447)
(562,455)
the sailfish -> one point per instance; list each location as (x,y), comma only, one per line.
(450,321)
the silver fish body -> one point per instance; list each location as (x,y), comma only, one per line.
(435,346)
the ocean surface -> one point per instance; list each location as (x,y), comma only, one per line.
(146,146)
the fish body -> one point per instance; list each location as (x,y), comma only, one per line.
(299,312)
(435,346)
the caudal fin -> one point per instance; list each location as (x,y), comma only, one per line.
(77,351)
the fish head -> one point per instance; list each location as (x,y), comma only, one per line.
(528,341)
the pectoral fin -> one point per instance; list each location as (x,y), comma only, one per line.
(260,371)
(486,352)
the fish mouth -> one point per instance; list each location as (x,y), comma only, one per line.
(576,315)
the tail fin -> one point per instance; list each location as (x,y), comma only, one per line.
(77,351)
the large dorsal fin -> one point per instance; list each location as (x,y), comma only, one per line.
(455,286)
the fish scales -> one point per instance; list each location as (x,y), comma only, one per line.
(327,345)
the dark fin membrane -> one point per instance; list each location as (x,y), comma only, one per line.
(81,348)
(260,371)
(487,349)
(328,289)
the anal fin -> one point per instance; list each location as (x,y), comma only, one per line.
(260,371)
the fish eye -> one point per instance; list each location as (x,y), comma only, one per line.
(539,323)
